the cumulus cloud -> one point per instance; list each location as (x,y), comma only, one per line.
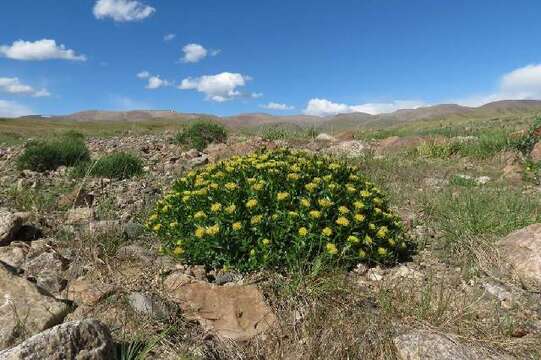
(14,86)
(194,53)
(169,37)
(45,49)
(520,84)
(277,106)
(122,10)
(220,87)
(153,81)
(324,107)
(13,109)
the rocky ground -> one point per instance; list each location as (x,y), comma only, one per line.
(81,278)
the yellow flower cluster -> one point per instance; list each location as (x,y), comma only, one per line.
(246,211)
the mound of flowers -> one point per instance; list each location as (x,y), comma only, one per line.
(277,209)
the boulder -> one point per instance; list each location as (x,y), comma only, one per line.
(81,215)
(349,149)
(325,138)
(10,224)
(150,305)
(84,291)
(522,251)
(76,340)
(396,144)
(14,255)
(427,345)
(513,167)
(24,309)
(535,154)
(230,312)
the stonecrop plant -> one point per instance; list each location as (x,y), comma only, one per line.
(274,210)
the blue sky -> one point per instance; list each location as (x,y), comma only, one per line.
(227,57)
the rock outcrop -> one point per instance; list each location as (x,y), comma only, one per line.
(76,340)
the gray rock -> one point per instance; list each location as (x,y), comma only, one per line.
(522,251)
(81,215)
(24,309)
(76,340)
(148,305)
(133,230)
(10,224)
(426,345)
(225,278)
(325,137)
(14,255)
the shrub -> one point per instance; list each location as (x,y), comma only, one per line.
(49,155)
(528,141)
(277,209)
(118,165)
(201,133)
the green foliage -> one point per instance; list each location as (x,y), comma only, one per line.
(481,147)
(74,134)
(482,211)
(277,209)
(527,142)
(118,165)
(201,133)
(273,133)
(49,155)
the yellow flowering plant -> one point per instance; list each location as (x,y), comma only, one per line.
(277,209)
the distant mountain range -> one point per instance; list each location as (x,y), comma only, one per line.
(339,121)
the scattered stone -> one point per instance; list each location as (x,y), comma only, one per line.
(81,215)
(482,180)
(231,312)
(513,167)
(535,154)
(133,230)
(24,310)
(10,224)
(499,292)
(148,305)
(396,144)
(349,149)
(225,278)
(15,254)
(522,251)
(426,345)
(374,274)
(198,161)
(76,340)
(405,272)
(78,198)
(325,138)
(87,292)
(135,252)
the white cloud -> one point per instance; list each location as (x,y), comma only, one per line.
(45,49)
(143,75)
(13,109)
(122,10)
(277,106)
(194,53)
(169,37)
(155,82)
(220,87)
(14,86)
(324,107)
(520,84)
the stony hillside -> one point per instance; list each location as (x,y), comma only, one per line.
(80,274)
